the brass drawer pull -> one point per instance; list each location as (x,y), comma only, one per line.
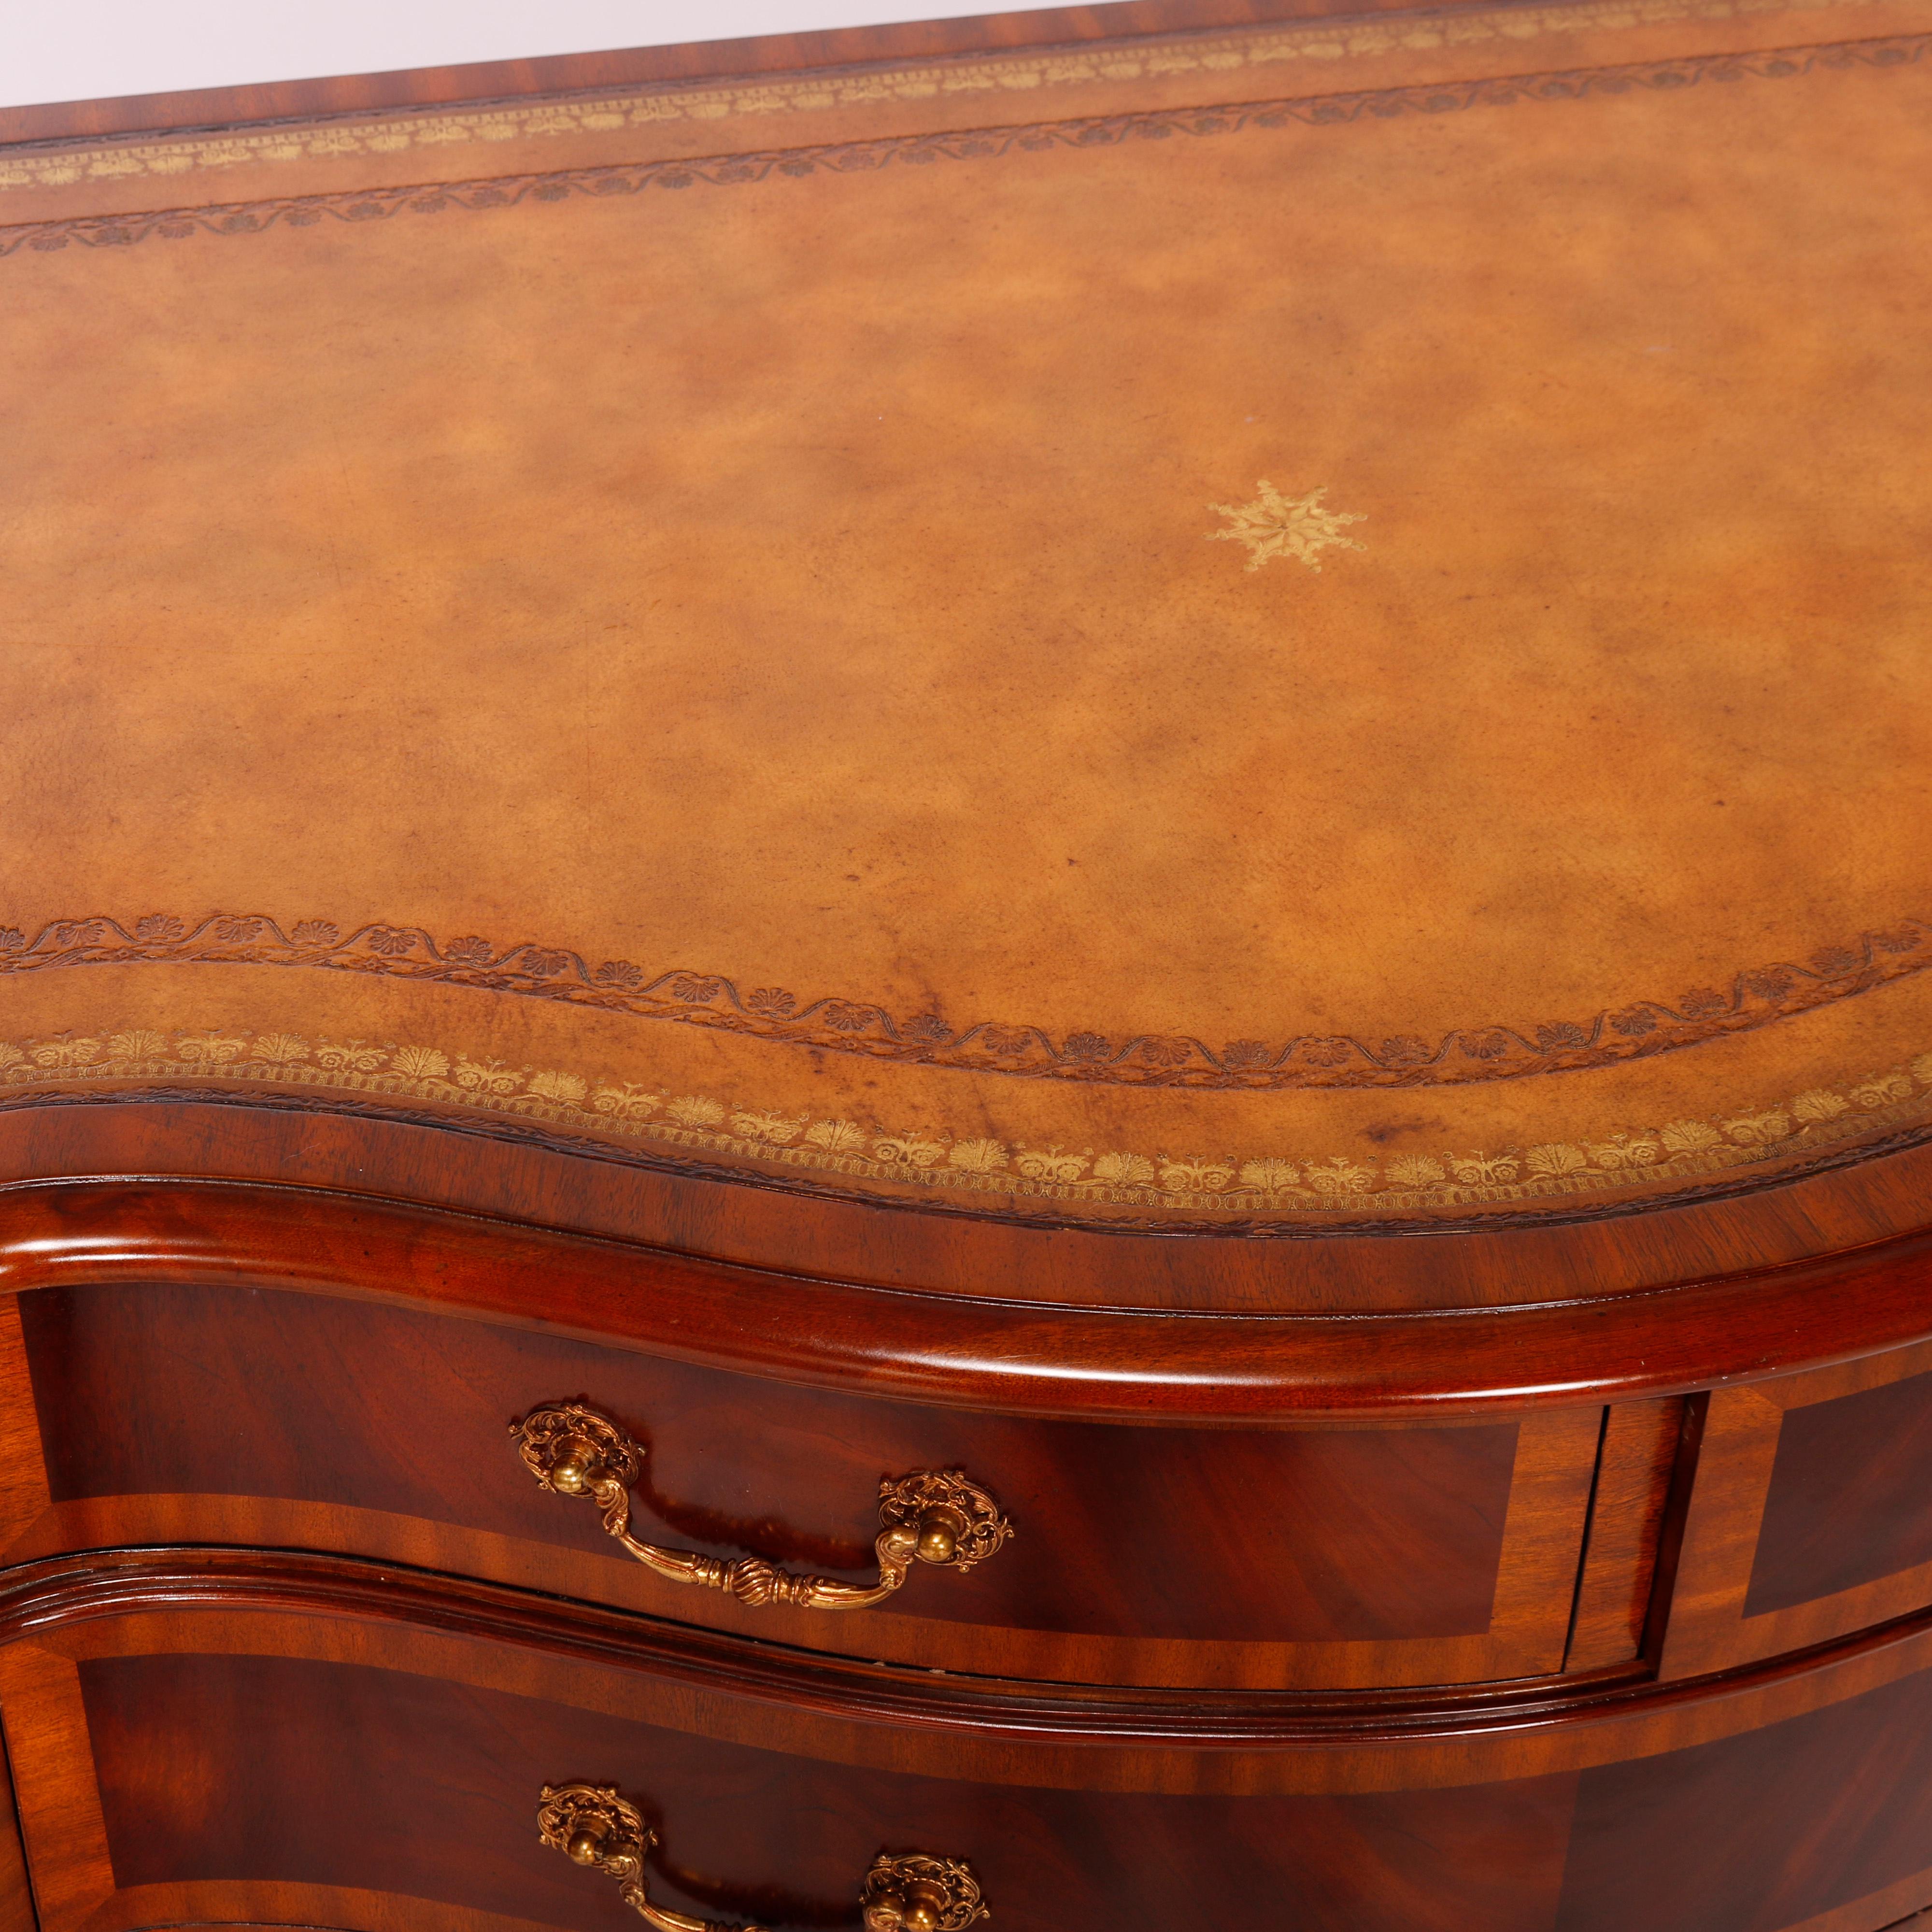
(592,1825)
(935,1515)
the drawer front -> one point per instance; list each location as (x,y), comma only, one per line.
(1811,1517)
(1302,1557)
(256,1766)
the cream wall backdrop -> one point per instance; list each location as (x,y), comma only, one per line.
(82,49)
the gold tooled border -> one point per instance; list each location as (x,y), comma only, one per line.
(1619,1160)
(1367,1059)
(1287,1181)
(743,167)
(976,144)
(1215,55)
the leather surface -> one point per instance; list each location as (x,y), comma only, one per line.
(739,660)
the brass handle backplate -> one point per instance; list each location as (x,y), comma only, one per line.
(592,1825)
(936,1516)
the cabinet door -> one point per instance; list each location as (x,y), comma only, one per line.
(1811,1517)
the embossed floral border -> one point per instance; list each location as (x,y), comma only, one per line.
(1277,1181)
(743,167)
(1635,1030)
(1214,54)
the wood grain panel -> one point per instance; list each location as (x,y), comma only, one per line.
(1817,1819)
(433,1786)
(1712,1624)
(1850,1501)
(16,1890)
(243,1700)
(1776,1830)
(931,1725)
(1401,1556)
(1301,1537)
(276,1905)
(51,1754)
(1633,1473)
(1892,1904)
(1526,1628)
(24,1494)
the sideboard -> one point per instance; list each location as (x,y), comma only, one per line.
(975,974)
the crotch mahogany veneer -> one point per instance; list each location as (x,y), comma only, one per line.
(978,971)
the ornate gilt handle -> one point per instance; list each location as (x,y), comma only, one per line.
(592,1825)
(935,1515)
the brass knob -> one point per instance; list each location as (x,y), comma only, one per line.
(592,1825)
(920,1908)
(577,1468)
(939,1530)
(585,1845)
(937,1516)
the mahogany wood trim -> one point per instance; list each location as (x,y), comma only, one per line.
(243,1904)
(1883,1908)
(577,1187)
(1633,1475)
(1740,1440)
(24,1495)
(289,1907)
(1524,1639)
(41,1600)
(1015,1357)
(1670,1533)
(480,81)
(327,1610)
(1708,1628)
(1543,1541)
(45,1721)
(16,1890)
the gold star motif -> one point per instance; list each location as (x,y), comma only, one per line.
(1273,525)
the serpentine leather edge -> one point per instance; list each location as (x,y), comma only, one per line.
(698,1129)
(741,167)
(1754,997)
(1213,53)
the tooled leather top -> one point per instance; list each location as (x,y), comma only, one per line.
(1311,622)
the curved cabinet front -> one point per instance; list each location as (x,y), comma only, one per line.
(1304,1557)
(336,1763)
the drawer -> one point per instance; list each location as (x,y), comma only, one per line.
(329,1761)
(1811,1517)
(1285,1557)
